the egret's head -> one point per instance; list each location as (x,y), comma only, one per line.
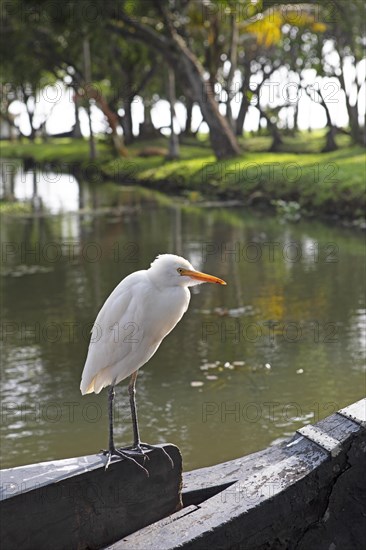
(171,270)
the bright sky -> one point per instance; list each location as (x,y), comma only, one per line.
(57,102)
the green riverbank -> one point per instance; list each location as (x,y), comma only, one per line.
(323,184)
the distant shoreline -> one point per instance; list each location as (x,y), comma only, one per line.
(322,185)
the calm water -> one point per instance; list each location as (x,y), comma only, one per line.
(281,346)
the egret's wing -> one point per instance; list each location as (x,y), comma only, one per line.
(116,334)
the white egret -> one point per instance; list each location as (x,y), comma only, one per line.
(142,309)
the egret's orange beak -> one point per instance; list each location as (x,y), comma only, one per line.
(202,277)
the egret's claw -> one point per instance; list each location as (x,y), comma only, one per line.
(140,449)
(109,460)
(119,453)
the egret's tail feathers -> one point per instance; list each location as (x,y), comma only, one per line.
(97,383)
(87,389)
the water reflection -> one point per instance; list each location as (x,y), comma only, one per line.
(279,347)
(55,192)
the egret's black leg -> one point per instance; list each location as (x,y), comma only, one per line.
(137,445)
(111,395)
(135,424)
(112,451)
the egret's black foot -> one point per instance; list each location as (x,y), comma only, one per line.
(140,448)
(122,453)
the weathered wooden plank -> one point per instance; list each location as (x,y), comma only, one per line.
(76,503)
(201,484)
(356,412)
(288,496)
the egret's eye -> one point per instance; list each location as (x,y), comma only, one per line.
(180,271)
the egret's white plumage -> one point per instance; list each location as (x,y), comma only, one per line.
(136,317)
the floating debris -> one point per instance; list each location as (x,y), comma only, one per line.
(267,366)
(212,377)
(220,367)
(21,270)
(233,312)
(300,371)
(196,384)
(228,312)
(215,365)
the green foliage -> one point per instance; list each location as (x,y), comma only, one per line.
(43,41)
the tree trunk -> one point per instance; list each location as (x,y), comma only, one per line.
(222,137)
(30,114)
(112,118)
(188,125)
(353,122)
(276,136)
(113,122)
(76,131)
(173,140)
(92,150)
(126,121)
(229,113)
(233,58)
(330,144)
(330,138)
(296,117)
(87,78)
(32,134)
(147,130)
(352,110)
(277,140)
(244,105)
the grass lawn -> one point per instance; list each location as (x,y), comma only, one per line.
(324,183)
(55,150)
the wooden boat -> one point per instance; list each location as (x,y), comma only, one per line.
(307,492)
